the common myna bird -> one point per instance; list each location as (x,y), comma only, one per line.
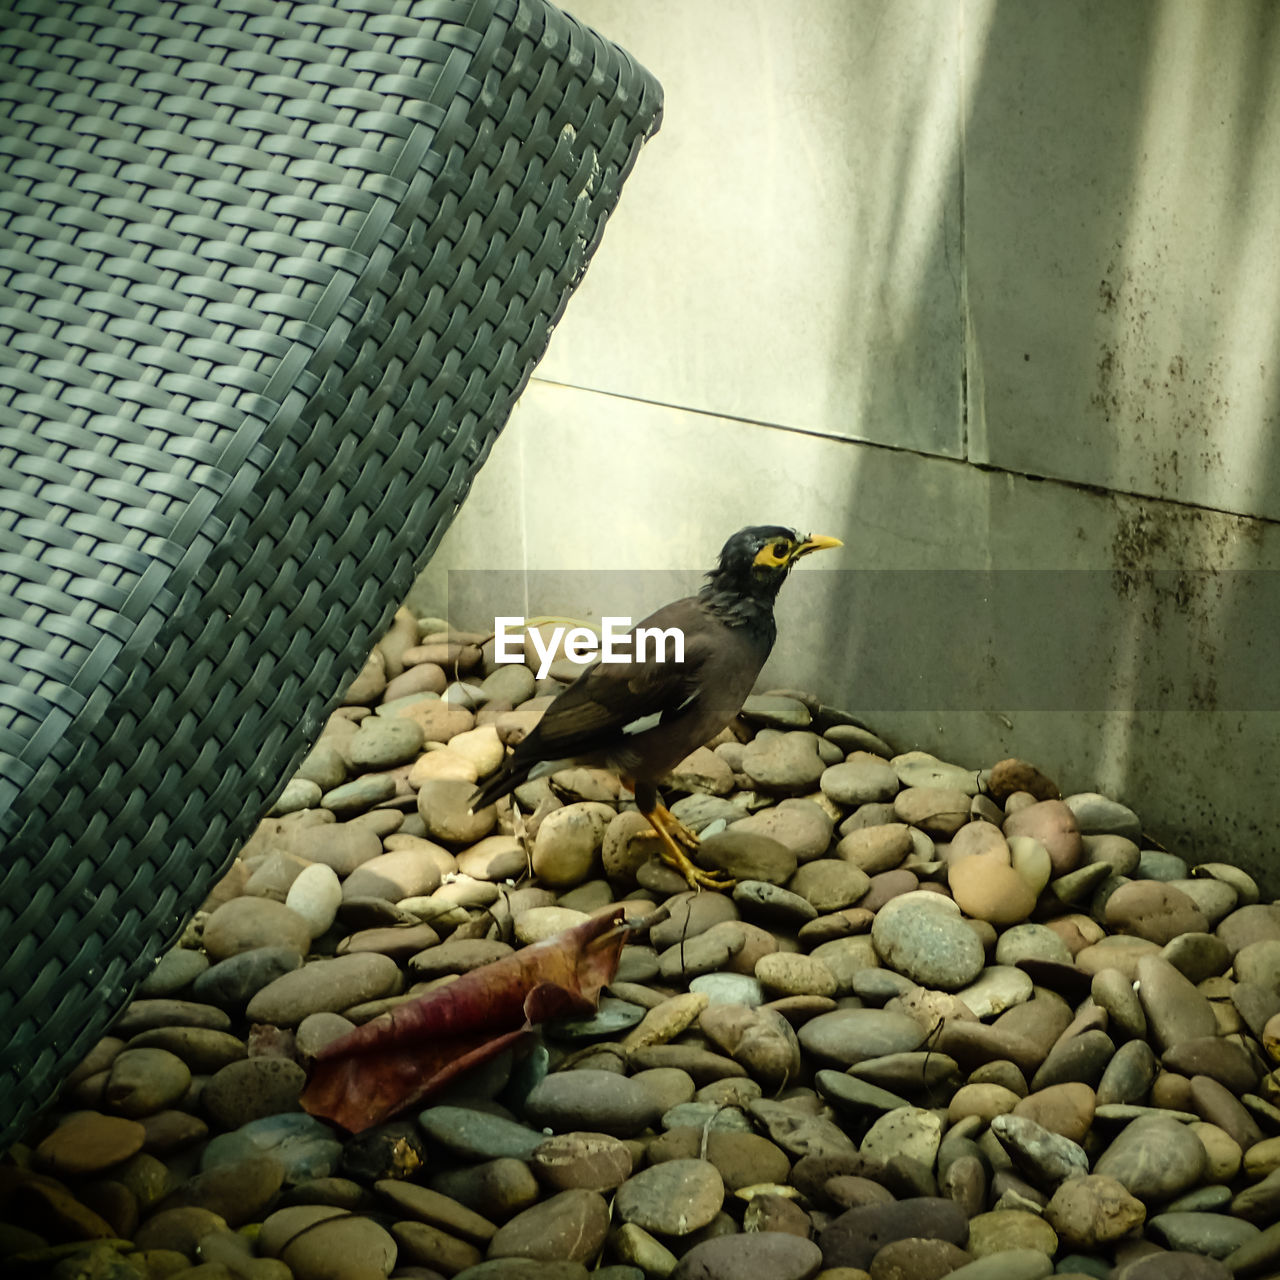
(643,717)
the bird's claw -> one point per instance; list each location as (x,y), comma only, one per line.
(695,876)
(717,880)
(681,834)
(677,843)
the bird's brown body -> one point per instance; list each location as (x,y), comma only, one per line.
(719,668)
(642,718)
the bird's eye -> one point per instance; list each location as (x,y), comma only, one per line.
(779,549)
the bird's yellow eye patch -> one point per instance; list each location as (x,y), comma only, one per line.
(773,556)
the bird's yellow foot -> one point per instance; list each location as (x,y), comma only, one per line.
(695,876)
(673,834)
(679,832)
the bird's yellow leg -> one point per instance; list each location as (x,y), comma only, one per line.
(678,831)
(673,833)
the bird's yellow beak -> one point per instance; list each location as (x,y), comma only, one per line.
(814,542)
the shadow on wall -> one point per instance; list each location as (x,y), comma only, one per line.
(897,356)
(1115,187)
(1122,234)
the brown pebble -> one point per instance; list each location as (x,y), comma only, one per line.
(594,1161)
(1171,1091)
(973,1043)
(48,1207)
(495,1189)
(730,1253)
(178,1229)
(1215,1103)
(142,1081)
(987,888)
(877,848)
(1008,776)
(848,1191)
(88,1142)
(965,1182)
(365,1248)
(770,1212)
(1155,911)
(238,1192)
(1054,825)
(113,1202)
(98,1059)
(1222,1060)
(1115,952)
(570,1225)
(203,1049)
(856,1236)
(742,1159)
(917,1259)
(884,887)
(983,1100)
(429,1246)
(703,1065)
(1093,1211)
(252,1090)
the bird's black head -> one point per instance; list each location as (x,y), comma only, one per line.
(755,562)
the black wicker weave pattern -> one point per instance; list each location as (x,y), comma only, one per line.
(271,277)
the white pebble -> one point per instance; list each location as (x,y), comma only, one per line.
(315,896)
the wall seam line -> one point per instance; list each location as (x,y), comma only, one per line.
(1034,477)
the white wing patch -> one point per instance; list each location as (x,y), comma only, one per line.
(544,767)
(643,723)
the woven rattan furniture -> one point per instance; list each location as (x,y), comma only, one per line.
(271,278)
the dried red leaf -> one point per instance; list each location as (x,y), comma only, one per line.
(417,1048)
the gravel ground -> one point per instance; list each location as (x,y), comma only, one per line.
(949,1022)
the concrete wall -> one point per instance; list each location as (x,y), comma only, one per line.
(974,286)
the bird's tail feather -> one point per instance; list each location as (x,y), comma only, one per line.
(501,784)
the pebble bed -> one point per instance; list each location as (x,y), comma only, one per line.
(947,1023)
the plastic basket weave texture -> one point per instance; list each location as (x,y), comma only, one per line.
(271,277)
